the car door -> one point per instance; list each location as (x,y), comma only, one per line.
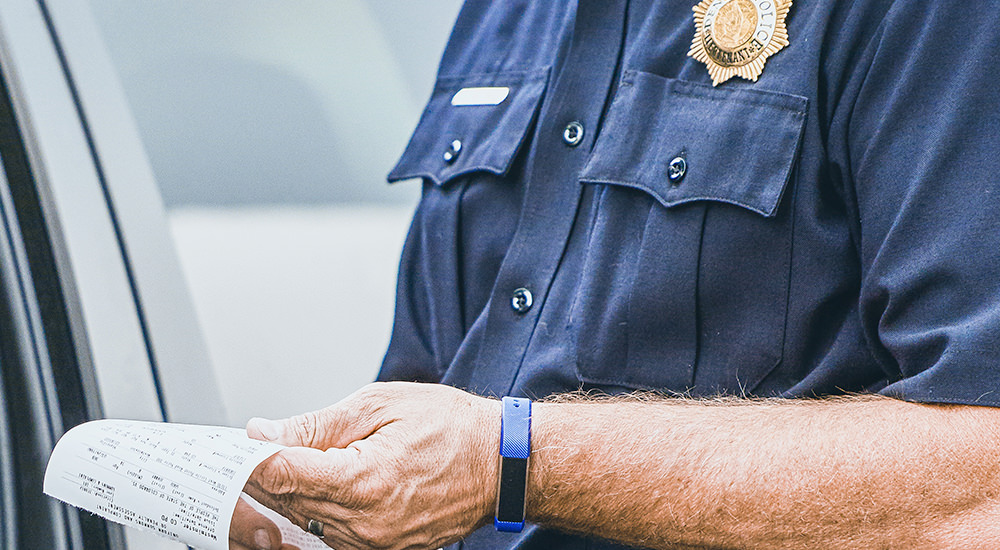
(95,320)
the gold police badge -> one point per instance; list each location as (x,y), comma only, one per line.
(735,37)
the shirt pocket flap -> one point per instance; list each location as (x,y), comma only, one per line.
(478,137)
(738,144)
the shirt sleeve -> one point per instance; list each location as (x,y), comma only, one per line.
(917,142)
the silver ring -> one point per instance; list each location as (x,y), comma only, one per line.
(315,527)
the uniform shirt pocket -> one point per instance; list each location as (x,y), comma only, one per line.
(685,283)
(454,139)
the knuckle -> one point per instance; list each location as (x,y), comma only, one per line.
(369,407)
(283,505)
(278,476)
(372,537)
(372,393)
(307,428)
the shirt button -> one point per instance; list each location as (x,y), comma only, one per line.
(521,302)
(453,150)
(676,170)
(573,134)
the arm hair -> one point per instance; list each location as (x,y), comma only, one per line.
(853,472)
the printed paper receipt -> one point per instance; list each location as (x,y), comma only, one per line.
(180,481)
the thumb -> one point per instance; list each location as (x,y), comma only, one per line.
(337,426)
(288,431)
(320,429)
(267,430)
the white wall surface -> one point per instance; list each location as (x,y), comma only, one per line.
(296,304)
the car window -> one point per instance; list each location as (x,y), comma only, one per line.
(270,128)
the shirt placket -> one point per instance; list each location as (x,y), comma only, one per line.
(566,130)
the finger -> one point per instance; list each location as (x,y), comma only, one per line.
(250,529)
(307,472)
(337,521)
(329,513)
(335,426)
(348,528)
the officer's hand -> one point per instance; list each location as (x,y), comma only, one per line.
(394,465)
(250,530)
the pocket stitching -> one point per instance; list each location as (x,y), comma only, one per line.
(765,205)
(768,98)
(684,200)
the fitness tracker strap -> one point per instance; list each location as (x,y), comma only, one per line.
(515,448)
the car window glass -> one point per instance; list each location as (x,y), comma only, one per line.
(270,128)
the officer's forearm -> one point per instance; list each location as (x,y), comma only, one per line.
(861,472)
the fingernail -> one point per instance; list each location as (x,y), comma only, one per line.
(270,429)
(261,539)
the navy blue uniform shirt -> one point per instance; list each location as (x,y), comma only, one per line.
(836,229)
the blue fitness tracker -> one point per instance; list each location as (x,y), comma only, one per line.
(515,448)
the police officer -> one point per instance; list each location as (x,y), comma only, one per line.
(760,237)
